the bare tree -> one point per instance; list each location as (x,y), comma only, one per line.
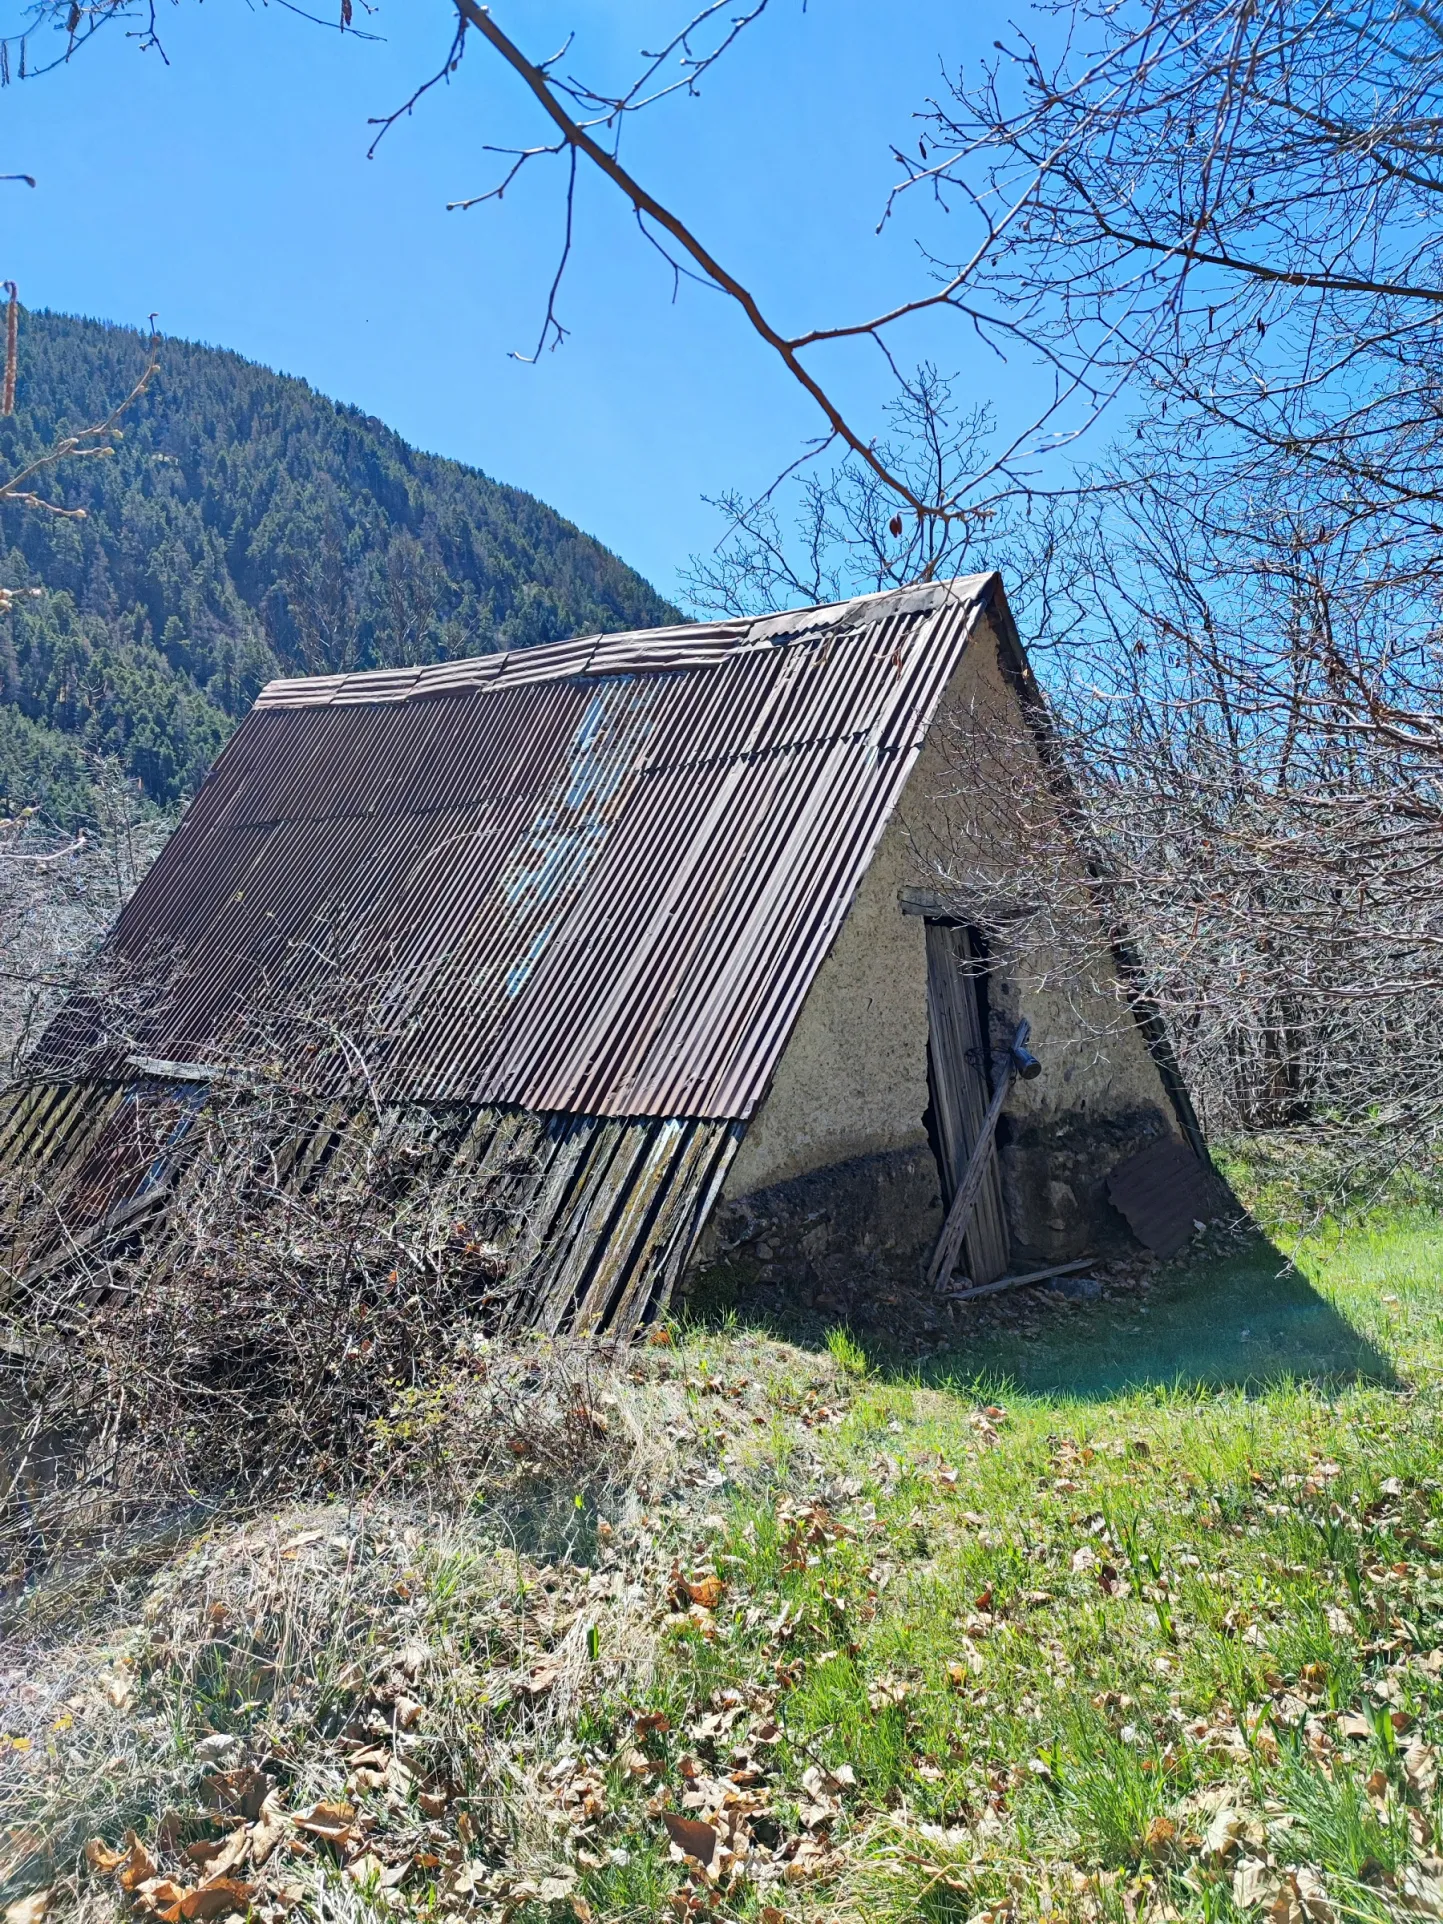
(59,892)
(1215,224)
(95,442)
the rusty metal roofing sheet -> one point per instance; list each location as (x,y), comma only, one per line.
(596,877)
(1163,1191)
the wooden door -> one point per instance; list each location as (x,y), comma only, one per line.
(960,1063)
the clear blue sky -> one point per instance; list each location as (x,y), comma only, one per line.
(229,192)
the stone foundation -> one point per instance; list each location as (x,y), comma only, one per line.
(867,1221)
(858,1226)
(1054,1177)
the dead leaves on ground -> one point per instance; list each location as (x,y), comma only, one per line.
(240,1872)
(31,1908)
(155,1895)
(705,1590)
(715,1833)
(709,1793)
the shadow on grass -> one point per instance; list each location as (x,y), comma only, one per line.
(1237,1322)
(1243,1320)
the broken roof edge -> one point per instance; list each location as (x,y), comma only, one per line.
(628,652)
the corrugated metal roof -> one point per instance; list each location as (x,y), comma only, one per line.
(595,878)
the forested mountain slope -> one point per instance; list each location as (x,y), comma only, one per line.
(245,527)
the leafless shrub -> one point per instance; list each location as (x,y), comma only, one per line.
(289,1303)
(59,894)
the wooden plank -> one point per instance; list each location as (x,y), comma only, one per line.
(1019,1282)
(960,1053)
(610,1283)
(695,1184)
(494,1186)
(988,1244)
(949,1244)
(582,1237)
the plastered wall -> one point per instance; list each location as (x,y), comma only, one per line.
(853,1078)
(851,1087)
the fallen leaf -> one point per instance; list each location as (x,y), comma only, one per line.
(1253,1881)
(1160,1835)
(216,1898)
(29,1910)
(1420,1767)
(100,1857)
(1223,1832)
(1423,1889)
(161,1897)
(819,1783)
(238,1792)
(692,1837)
(1312,1896)
(118,1687)
(334,1823)
(269,1829)
(705,1590)
(216,1856)
(137,1864)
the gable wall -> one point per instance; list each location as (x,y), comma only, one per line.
(835,1175)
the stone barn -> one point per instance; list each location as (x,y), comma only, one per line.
(656,946)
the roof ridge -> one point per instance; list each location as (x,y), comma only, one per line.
(676,648)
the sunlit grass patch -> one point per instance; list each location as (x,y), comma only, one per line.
(885,1647)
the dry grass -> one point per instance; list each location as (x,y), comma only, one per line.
(755,1632)
(498,1587)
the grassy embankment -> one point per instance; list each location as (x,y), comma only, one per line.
(1135,1613)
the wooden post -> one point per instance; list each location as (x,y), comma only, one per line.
(949,1243)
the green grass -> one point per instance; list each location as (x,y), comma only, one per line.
(1119,1614)
(1198,1562)
(1268,1312)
